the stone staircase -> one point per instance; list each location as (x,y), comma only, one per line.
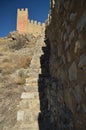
(29,106)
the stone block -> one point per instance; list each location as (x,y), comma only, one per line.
(68,57)
(31,116)
(28,126)
(32,84)
(59,50)
(73,72)
(30,104)
(28,88)
(29,95)
(73,16)
(31,79)
(77,46)
(66,45)
(82,22)
(84,108)
(77,94)
(71,36)
(20,115)
(68,99)
(82,62)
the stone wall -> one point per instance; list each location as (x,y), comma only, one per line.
(35,28)
(66,91)
(24,25)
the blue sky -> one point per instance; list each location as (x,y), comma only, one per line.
(38,10)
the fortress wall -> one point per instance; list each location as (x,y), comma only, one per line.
(66,32)
(35,27)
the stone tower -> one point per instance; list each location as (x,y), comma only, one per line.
(22,20)
(25,25)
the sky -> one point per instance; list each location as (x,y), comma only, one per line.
(38,10)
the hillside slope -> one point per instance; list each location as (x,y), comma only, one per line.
(15,56)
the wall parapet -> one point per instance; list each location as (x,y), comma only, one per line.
(35,22)
(22,9)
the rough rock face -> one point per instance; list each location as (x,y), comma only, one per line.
(66,32)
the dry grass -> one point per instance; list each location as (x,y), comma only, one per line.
(12,79)
(24,61)
(7,68)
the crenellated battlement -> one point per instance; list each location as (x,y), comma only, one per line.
(25,25)
(23,9)
(36,23)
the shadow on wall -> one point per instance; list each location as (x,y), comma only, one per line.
(44,115)
(54,114)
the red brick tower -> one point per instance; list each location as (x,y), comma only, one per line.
(22,20)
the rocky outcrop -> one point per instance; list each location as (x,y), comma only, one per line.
(66,91)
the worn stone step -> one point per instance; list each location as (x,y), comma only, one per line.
(27,126)
(32,84)
(35,63)
(34,70)
(34,88)
(30,79)
(31,89)
(35,67)
(32,74)
(28,116)
(29,95)
(31,104)
(33,79)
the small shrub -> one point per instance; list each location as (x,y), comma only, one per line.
(20,80)
(7,68)
(24,62)
(17,44)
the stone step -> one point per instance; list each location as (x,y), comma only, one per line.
(32,74)
(34,88)
(31,104)
(28,116)
(27,126)
(35,62)
(29,95)
(35,70)
(31,89)
(35,66)
(32,84)
(31,79)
